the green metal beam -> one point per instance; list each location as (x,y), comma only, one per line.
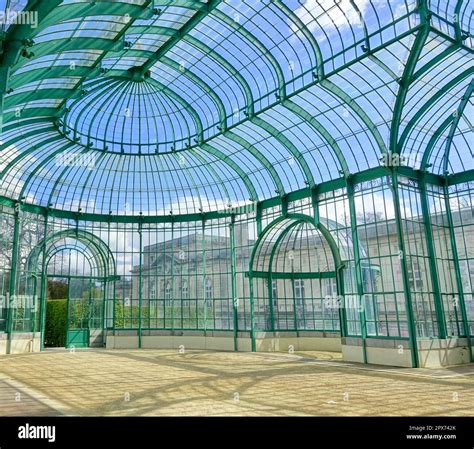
(182,32)
(293,275)
(44,286)
(43,162)
(318,56)
(435,61)
(214,175)
(233,279)
(31,112)
(65,44)
(172,94)
(457,272)
(412,331)
(384,67)
(437,96)
(234,166)
(112,88)
(358,269)
(114,10)
(321,130)
(204,86)
(362,24)
(280,190)
(358,110)
(289,145)
(409,70)
(457,20)
(254,41)
(432,142)
(189,4)
(37,95)
(456,118)
(434,274)
(48,127)
(18,35)
(250,104)
(13,279)
(33,121)
(101,44)
(24,154)
(52,72)
(459,178)
(324,187)
(140,283)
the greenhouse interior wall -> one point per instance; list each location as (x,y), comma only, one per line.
(322,201)
(263,280)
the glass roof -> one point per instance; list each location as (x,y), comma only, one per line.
(188,107)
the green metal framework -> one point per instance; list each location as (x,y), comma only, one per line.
(191,125)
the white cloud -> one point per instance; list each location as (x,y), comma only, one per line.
(325,14)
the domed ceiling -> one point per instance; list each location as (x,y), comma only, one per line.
(179,107)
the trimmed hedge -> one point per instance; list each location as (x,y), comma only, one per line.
(56,316)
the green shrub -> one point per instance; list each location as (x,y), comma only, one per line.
(56,316)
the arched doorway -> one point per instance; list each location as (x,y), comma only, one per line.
(79,268)
(295,281)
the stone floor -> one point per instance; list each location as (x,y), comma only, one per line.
(154,382)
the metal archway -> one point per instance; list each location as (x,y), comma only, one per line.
(46,249)
(314,230)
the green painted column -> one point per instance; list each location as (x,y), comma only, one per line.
(270,300)
(140,287)
(403,264)
(295,317)
(252,318)
(44,285)
(171,283)
(233,269)
(315,204)
(432,260)
(340,289)
(258,218)
(203,244)
(358,268)
(457,271)
(13,277)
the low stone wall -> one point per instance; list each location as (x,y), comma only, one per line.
(224,341)
(20,343)
(96,338)
(432,353)
(435,353)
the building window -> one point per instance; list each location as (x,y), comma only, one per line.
(299,301)
(208,289)
(168,292)
(275,292)
(185,290)
(415,275)
(185,293)
(330,288)
(152,289)
(299,290)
